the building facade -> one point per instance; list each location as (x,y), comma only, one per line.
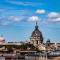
(36,37)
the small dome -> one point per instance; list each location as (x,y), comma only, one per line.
(48,41)
(37,33)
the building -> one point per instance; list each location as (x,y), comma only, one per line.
(2,42)
(2,39)
(36,37)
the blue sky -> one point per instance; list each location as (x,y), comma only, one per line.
(18,17)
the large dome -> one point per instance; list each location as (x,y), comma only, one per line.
(37,33)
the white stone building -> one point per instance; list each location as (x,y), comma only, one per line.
(37,38)
(2,40)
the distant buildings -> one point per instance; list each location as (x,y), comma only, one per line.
(36,40)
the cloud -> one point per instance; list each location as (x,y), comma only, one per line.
(3,20)
(40,11)
(54,17)
(24,3)
(54,20)
(33,18)
(14,18)
(6,20)
(58,19)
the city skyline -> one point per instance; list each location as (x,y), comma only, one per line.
(18,18)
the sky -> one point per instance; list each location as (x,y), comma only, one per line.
(18,18)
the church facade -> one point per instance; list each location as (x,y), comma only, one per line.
(36,37)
